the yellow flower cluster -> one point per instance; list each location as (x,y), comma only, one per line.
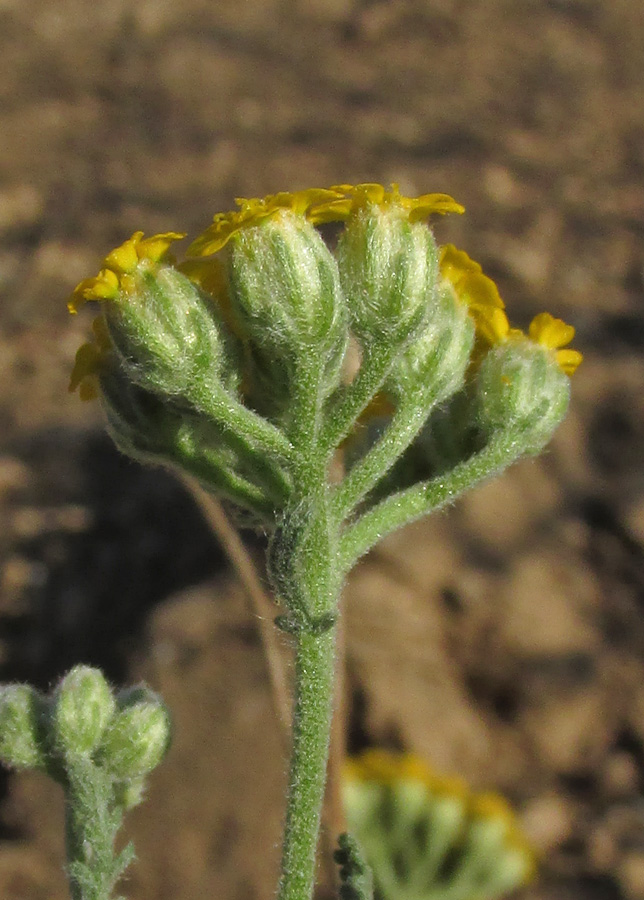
(318,205)
(353,198)
(115,277)
(252,212)
(488,310)
(113,281)
(389,769)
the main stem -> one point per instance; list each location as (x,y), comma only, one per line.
(313,565)
(314,684)
(92,820)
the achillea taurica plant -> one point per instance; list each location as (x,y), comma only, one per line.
(229,365)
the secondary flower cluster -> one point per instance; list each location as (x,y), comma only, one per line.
(426,834)
(262,312)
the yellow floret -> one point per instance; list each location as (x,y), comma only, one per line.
(555,334)
(487,309)
(353,198)
(253,211)
(119,265)
(90,357)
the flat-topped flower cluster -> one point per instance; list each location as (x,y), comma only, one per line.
(261,315)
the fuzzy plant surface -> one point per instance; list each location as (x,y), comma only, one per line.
(264,355)
(99,746)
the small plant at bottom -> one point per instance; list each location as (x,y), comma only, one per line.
(99,746)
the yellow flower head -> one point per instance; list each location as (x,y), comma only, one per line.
(487,309)
(90,358)
(379,767)
(350,199)
(387,769)
(546,331)
(475,289)
(555,334)
(252,212)
(119,265)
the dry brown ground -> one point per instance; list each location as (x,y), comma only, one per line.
(503,640)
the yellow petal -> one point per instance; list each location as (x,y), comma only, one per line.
(478,291)
(86,363)
(155,248)
(550,332)
(104,286)
(491,324)
(428,204)
(125,257)
(569,360)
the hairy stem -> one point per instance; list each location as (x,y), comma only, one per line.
(376,364)
(366,474)
(426,496)
(314,676)
(92,820)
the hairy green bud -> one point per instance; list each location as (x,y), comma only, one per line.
(21,711)
(437,358)
(285,286)
(388,269)
(166,334)
(142,424)
(83,705)
(521,386)
(138,736)
(286,298)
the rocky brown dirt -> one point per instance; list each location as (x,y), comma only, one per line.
(504,639)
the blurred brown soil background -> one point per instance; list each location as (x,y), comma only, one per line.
(504,639)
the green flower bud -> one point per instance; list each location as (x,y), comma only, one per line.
(286,298)
(388,270)
(130,793)
(166,335)
(83,705)
(449,436)
(142,424)
(521,386)
(162,328)
(138,735)
(21,712)
(435,361)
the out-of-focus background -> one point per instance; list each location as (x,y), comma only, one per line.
(504,639)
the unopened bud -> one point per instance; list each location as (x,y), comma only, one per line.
(138,736)
(82,707)
(285,295)
(388,268)
(21,709)
(435,361)
(521,386)
(166,334)
(142,424)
